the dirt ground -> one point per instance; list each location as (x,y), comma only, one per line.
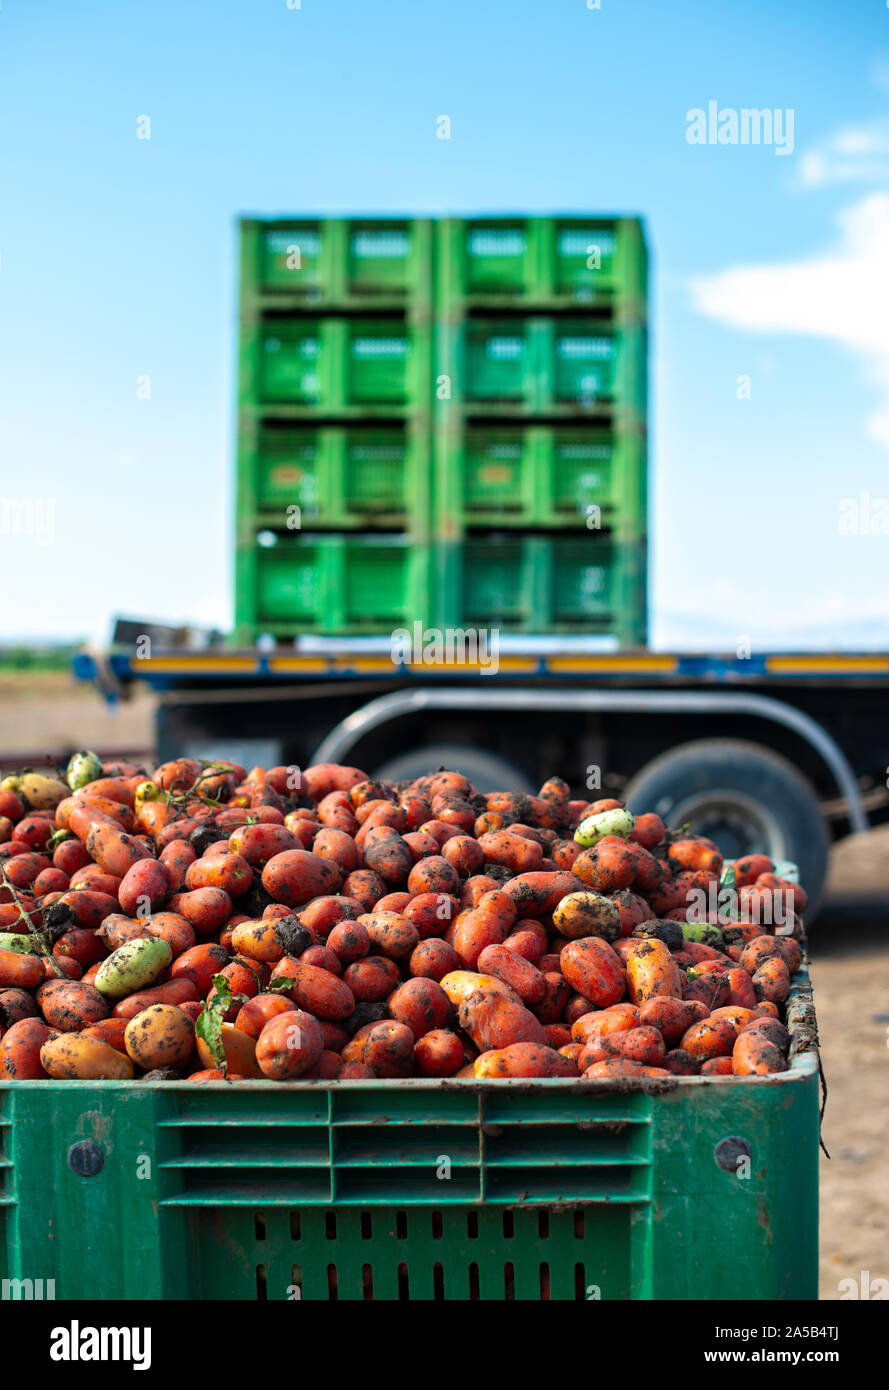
(849,948)
(49,713)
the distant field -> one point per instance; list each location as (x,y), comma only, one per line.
(45,713)
(36,659)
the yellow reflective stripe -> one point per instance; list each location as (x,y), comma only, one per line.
(298,663)
(525,664)
(825,666)
(196,663)
(611,665)
(364,663)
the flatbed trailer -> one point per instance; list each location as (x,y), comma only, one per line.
(779,752)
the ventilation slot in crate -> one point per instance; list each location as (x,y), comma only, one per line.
(409,1254)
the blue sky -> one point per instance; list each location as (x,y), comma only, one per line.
(117,260)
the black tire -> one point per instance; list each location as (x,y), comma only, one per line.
(746,797)
(486,771)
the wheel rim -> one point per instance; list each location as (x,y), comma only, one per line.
(737,823)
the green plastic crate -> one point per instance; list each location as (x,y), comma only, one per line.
(693,1188)
(542,475)
(499,360)
(332,364)
(333,584)
(584,582)
(378,362)
(586,364)
(290,362)
(338,475)
(336,261)
(290,259)
(543,260)
(541,583)
(501,582)
(498,257)
(549,364)
(590,257)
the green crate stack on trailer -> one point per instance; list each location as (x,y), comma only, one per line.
(442,421)
(334,427)
(540,425)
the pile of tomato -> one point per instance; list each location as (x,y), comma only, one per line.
(210,923)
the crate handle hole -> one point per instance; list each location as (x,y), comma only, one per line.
(86,1158)
(729,1151)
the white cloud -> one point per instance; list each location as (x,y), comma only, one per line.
(855,154)
(841,295)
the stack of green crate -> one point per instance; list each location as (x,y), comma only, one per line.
(334,429)
(442,421)
(540,442)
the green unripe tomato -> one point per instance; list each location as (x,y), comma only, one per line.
(594,828)
(83,767)
(19,942)
(704,933)
(132,967)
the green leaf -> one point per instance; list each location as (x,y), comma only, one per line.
(223,999)
(208,1027)
(223,989)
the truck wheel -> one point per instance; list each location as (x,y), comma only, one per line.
(486,771)
(745,797)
